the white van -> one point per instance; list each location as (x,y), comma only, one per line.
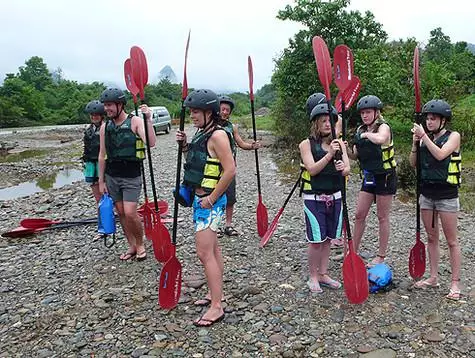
(160,119)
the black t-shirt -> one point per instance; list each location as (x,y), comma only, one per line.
(439,191)
(123,168)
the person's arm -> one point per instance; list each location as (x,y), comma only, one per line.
(219,145)
(345,159)
(412,154)
(139,128)
(310,164)
(243,144)
(102,158)
(452,145)
(382,136)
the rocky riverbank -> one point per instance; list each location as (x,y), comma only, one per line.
(62,294)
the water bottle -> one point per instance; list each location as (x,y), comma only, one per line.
(106,220)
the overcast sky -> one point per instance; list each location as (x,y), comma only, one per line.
(90,40)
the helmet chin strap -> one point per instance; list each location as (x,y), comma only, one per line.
(207,124)
(441,126)
(117,110)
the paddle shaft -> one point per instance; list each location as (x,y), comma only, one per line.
(178,173)
(256,156)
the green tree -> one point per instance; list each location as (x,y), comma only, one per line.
(35,73)
(439,48)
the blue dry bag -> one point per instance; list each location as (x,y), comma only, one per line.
(106,220)
(380,277)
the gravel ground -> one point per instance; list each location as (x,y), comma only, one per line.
(63,294)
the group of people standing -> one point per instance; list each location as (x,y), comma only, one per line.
(326,159)
(114,151)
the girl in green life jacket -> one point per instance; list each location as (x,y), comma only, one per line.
(440,161)
(322,185)
(96,112)
(209,169)
(374,150)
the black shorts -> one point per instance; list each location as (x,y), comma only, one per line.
(385,184)
(231,193)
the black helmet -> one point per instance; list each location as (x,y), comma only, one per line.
(203,99)
(95,107)
(228,100)
(113,94)
(318,110)
(369,101)
(439,107)
(313,100)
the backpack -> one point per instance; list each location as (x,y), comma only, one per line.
(380,278)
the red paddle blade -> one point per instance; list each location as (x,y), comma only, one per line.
(251,78)
(355,278)
(139,69)
(20,232)
(349,95)
(270,231)
(342,66)
(169,288)
(37,223)
(262,218)
(161,243)
(417,259)
(162,207)
(322,58)
(184,90)
(129,80)
(148,221)
(417,83)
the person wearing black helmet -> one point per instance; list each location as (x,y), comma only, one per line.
(226,105)
(440,162)
(209,169)
(91,140)
(321,187)
(122,140)
(375,152)
(312,101)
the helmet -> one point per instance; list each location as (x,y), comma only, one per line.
(369,101)
(313,100)
(203,99)
(95,107)
(439,107)
(113,94)
(228,100)
(318,110)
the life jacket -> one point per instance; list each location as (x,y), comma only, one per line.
(228,127)
(326,181)
(122,143)
(375,158)
(91,143)
(201,170)
(447,170)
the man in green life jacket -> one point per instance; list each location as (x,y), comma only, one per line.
(227,105)
(121,152)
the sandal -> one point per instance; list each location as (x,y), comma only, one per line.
(454,295)
(314,286)
(424,284)
(379,259)
(219,233)
(329,282)
(127,256)
(141,256)
(207,322)
(230,231)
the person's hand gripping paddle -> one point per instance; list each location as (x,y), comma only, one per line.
(417,256)
(159,234)
(170,278)
(261,211)
(355,277)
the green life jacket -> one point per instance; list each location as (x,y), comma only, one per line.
(122,143)
(447,170)
(375,158)
(91,143)
(200,169)
(228,127)
(325,182)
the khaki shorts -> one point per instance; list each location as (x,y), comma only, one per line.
(124,189)
(446,205)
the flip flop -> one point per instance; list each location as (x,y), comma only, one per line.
(333,284)
(424,284)
(208,322)
(202,302)
(142,256)
(127,256)
(454,295)
(313,287)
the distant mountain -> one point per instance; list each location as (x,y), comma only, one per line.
(167,73)
(471,48)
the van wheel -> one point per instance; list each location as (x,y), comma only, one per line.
(168,129)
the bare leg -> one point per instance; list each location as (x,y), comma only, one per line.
(449,226)
(95,192)
(362,208)
(432,243)
(383,206)
(229,214)
(206,242)
(134,226)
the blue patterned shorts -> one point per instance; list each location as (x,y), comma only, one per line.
(208,218)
